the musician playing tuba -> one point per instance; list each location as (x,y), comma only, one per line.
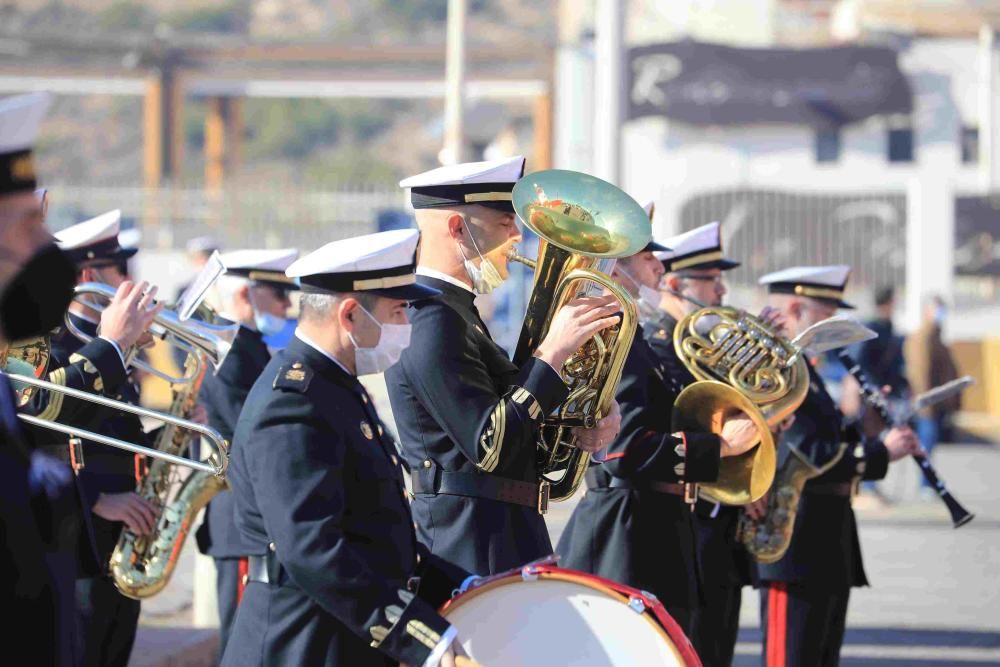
(468,418)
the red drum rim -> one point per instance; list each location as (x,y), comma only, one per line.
(664,624)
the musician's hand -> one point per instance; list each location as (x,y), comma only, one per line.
(901,441)
(738,435)
(785,424)
(455,656)
(574,324)
(871,423)
(773,318)
(597,438)
(199,415)
(129,314)
(137,513)
(757,510)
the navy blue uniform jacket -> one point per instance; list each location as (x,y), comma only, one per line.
(223,395)
(643,538)
(723,560)
(316,483)
(462,406)
(825,552)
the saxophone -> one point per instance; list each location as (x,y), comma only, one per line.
(141,566)
(767,540)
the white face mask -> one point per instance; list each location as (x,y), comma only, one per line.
(649,298)
(394,338)
(485,277)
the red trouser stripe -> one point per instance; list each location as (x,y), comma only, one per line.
(777,623)
(244,573)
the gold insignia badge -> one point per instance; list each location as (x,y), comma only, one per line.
(366,430)
(22,168)
(295,375)
(297,364)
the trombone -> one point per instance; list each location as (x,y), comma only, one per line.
(217,462)
(191,336)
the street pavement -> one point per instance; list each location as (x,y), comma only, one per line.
(934,599)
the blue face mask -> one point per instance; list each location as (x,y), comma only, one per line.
(939,313)
(268,324)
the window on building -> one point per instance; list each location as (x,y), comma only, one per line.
(969,142)
(827,145)
(900,144)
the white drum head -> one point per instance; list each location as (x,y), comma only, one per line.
(553,622)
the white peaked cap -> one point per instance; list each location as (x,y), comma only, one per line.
(699,248)
(20,117)
(95,241)
(384,263)
(261,265)
(504,170)
(89,232)
(819,282)
(265,260)
(648,207)
(486,183)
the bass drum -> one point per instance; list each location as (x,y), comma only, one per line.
(542,616)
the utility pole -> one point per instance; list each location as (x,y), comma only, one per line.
(454,101)
(608,110)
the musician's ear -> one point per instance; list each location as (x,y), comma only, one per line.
(456,226)
(795,309)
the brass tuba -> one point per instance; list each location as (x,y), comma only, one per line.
(748,367)
(583,225)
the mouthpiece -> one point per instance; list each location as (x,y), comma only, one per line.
(512,256)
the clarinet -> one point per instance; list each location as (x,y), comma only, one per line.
(874,398)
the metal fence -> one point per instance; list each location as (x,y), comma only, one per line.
(768,230)
(246,216)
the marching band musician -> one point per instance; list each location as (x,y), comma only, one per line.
(255,293)
(38,505)
(641,492)
(467,417)
(318,488)
(106,476)
(694,268)
(28,592)
(804,595)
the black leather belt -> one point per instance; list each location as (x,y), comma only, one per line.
(841,489)
(595,484)
(431,480)
(265,569)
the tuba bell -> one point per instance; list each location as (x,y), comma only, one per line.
(583,225)
(741,364)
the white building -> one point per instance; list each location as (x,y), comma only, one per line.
(878,193)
